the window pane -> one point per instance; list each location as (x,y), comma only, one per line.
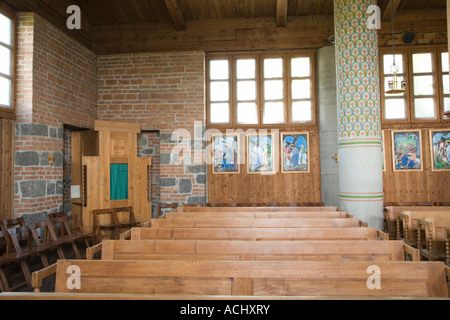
(274,112)
(220,113)
(422,63)
(273,68)
(301,89)
(446,104)
(300,67)
(424,108)
(5,92)
(247,113)
(5,61)
(444,61)
(388,62)
(246,69)
(273,89)
(219,70)
(423,85)
(219,91)
(246,90)
(395,109)
(5,30)
(301,111)
(446,84)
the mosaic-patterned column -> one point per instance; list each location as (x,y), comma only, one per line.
(358,102)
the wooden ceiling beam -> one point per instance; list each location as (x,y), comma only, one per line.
(178,19)
(282,11)
(386,15)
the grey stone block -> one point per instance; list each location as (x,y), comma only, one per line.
(33,188)
(34,129)
(164,158)
(201,179)
(168,182)
(185,186)
(201,168)
(51,187)
(59,187)
(196,200)
(26,158)
(148,151)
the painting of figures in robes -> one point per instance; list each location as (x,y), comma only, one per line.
(407,150)
(226,154)
(295,152)
(260,152)
(440,150)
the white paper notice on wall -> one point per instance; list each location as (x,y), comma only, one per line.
(74,192)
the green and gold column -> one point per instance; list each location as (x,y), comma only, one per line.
(359,120)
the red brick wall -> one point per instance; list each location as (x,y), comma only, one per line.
(160,91)
(56,85)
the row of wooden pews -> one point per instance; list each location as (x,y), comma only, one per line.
(248,253)
(426,228)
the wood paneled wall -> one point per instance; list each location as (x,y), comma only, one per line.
(415,186)
(275,188)
(6,168)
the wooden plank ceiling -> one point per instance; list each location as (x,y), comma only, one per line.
(125,26)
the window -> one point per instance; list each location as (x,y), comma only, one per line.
(427,80)
(260,89)
(6,61)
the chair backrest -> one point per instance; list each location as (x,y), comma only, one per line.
(48,231)
(18,233)
(53,215)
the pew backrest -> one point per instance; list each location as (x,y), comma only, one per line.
(256,223)
(257,209)
(324,250)
(255,233)
(253,278)
(254,215)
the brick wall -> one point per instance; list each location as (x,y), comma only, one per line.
(163,92)
(56,85)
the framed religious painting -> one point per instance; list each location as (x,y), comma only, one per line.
(225,154)
(260,154)
(440,150)
(295,152)
(407,150)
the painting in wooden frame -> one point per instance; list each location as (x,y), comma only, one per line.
(225,154)
(260,153)
(407,150)
(295,152)
(440,150)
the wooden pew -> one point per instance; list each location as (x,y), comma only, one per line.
(409,221)
(248,278)
(324,250)
(435,238)
(391,217)
(255,215)
(447,246)
(256,209)
(257,233)
(257,223)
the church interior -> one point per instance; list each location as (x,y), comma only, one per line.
(188,149)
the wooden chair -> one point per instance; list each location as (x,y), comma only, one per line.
(113,222)
(72,233)
(10,224)
(165,206)
(50,239)
(4,286)
(436,245)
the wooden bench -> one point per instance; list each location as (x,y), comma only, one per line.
(325,250)
(256,209)
(257,233)
(447,246)
(248,278)
(435,238)
(254,215)
(409,222)
(257,223)
(391,217)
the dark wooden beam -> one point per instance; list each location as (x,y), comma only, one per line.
(282,11)
(178,19)
(386,15)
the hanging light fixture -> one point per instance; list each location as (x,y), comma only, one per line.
(395,85)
